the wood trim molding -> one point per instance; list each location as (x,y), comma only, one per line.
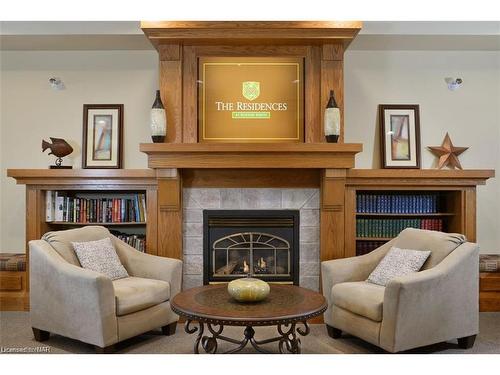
(169,194)
(83,177)
(249,32)
(169,224)
(332,214)
(419,177)
(251,178)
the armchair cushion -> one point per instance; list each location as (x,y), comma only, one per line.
(360,298)
(397,262)
(438,243)
(100,256)
(134,294)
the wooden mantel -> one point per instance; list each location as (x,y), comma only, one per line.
(255,155)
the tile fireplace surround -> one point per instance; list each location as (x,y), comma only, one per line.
(195,200)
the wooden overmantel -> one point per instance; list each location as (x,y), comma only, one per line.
(180,45)
(254,155)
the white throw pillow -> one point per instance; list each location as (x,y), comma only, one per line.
(397,262)
(100,256)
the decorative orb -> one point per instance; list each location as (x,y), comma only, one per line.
(248,289)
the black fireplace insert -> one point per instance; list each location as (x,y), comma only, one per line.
(259,243)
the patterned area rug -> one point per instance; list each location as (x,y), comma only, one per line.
(15,332)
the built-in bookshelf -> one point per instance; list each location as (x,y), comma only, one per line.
(124,212)
(381,215)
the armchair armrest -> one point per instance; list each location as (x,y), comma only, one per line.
(70,300)
(348,269)
(150,266)
(434,305)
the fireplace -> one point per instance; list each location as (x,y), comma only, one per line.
(262,243)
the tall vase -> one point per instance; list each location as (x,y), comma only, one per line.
(332,120)
(158,120)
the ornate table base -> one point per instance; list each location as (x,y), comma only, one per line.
(288,342)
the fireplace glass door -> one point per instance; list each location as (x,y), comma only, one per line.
(259,243)
(252,253)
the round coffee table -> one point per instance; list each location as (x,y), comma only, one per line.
(212,307)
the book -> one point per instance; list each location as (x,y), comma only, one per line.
(137,241)
(49,206)
(59,207)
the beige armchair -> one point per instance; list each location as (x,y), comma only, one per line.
(437,304)
(71,301)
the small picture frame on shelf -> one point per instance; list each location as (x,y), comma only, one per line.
(102,145)
(400,135)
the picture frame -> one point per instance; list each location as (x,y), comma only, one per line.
(102,144)
(251,99)
(400,135)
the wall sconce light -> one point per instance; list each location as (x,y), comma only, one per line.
(56,84)
(453,84)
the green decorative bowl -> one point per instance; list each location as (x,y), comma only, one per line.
(248,289)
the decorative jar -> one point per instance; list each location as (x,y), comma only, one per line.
(248,289)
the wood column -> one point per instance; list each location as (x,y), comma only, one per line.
(171,89)
(169,213)
(152,220)
(332,214)
(469,214)
(332,78)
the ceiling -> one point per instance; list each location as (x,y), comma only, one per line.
(127,35)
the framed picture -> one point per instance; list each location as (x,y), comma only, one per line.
(400,135)
(251,99)
(102,145)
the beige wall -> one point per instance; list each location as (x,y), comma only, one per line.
(31,111)
(471,115)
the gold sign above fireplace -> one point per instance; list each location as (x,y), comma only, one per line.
(254,99)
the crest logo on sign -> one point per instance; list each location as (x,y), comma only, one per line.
(251,90)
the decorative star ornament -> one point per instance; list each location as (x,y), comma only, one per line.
(447,153)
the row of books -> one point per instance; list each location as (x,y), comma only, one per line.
(388,228)
(364,247)
(60,207)
(395,203)
(137,241)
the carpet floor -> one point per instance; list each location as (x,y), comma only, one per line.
(15,332)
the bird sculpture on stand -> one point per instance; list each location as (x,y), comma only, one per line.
(447,153)
(59,148)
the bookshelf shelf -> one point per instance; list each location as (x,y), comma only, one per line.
(392,209)
(62,223)
(123,212)
(380,214)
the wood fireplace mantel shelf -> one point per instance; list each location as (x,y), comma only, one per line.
(254,155)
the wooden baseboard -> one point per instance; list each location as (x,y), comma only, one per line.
(14,302)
